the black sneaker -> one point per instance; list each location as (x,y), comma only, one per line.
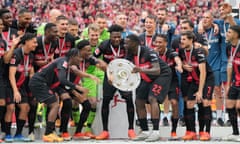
(182,122)
(165,122)
(220,122)
(228,123)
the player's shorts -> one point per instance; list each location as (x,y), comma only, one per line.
(234,93)
(217,78)
(90,84)
(192,88)
(109,90)
(23,90)
(173,92)
(3,88)
(158,88)
(41,91)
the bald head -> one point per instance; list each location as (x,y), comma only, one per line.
(53,14)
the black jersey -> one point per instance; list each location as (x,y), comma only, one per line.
(8,36)
(83,66)
(30,29)
(64,45)
(234,52)
(168,57)
(109,52)
(194,57)
(146,40)
(57,73)
(146,58)
(44,51)
(3,48)
(199,38)
(24,64)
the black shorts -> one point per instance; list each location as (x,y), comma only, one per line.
(234,93)
(109,90)
(59,91)
(185,84)
(23,90)
(173,92)
(158,88)
(191,88)
(41,91)
(3,88)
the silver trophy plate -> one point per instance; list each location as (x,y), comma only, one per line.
(120,72)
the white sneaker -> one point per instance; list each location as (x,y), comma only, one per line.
(141,136)
(154,136)
(237,139)
(2,135)
(31,137)
(231,138)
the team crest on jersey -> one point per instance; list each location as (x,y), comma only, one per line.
(13,61)
(1,52)
(65,64)
(57,51)
(97,51)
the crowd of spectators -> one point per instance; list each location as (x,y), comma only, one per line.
(85,10)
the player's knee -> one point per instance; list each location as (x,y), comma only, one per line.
(230,104)
(190,104)
(54,105)
(174,103)
(25,108)
(140,104)
(10,108)
(238,104)
(206,103)
(152,100)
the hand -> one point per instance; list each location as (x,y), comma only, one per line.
(78,87)
(136,69)
(198,95)
(179,68)
(200,29)
(187,67)
(49,59)
(197,45)
(44,63)
(215,29)
(110,79)
(20,32)
(17,97)
(165,28)
(15,41)
(230,19)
